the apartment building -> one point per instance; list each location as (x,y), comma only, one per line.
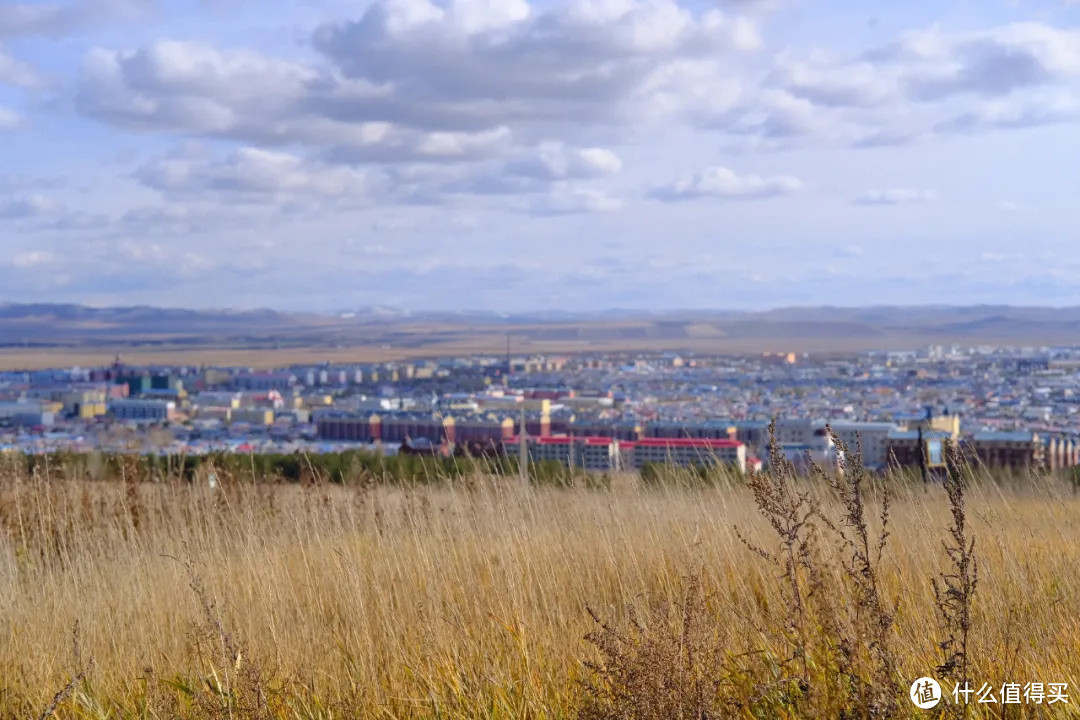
(588,453)
(874,437)
(795,431)
(1019,450)
(902,447)
(689,451)
(25,414)
(347,427)
(141,410)
(707,430)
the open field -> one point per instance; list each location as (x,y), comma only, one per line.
(261,599)
(261,357)
(34,336)
(265,358)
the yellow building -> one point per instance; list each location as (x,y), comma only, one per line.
(948,424)
(84,404)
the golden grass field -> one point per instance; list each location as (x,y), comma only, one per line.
(461,345)
(260,599)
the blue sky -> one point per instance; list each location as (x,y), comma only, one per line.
(510,155)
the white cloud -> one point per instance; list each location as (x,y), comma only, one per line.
(570,201)
(475,16)
(991,62)
(722,183)
(31,206)
(467,81)
(10,120)
(192,88)
(927,82)
(444,121)
(26,18)
(557,161)
(830,82)
(53,18)
(896,196)
(462,144)
(16,72)
(32,258)
(252,175)
(435,80)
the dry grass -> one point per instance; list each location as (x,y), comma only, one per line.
(265,600)
(462,342)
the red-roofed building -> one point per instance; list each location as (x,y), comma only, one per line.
(589,453)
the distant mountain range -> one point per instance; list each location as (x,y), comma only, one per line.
(798,328)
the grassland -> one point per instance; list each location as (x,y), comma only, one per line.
(254,598)
(35,336)
(264,357)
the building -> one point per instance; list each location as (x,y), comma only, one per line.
(1018,450)
(25,414)
(399,427)
(280,381)
(221,413)
(753,433)
(479,429)
(689,451)
(874,438)
(218,399)
(902,448)
(294,416)
(599,454)
(141,410)
(85,403)
(619,430)
(347,427)
(708,430)
(254,416)
(821,452)
(947,423)
(1060,452)
(795,431)
(588,453)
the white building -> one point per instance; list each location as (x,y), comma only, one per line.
(796,431)
(820,451)
(874,437)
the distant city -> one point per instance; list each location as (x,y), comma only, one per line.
(1014,407)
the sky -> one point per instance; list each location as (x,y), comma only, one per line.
(510,155)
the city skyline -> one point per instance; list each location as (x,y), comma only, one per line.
(507,155)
